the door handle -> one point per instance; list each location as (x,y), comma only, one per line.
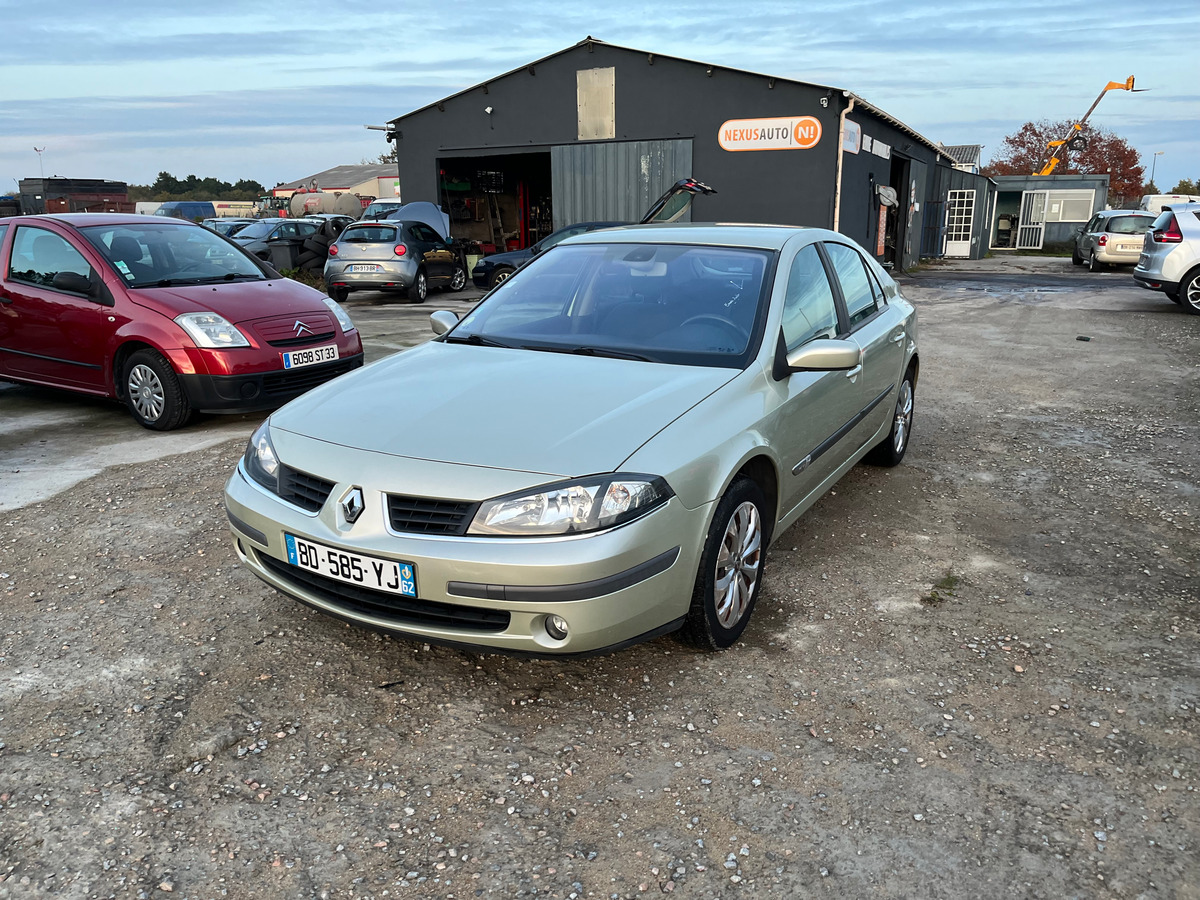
(855,372)
(898,337)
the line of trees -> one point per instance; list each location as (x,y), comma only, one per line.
(168,187)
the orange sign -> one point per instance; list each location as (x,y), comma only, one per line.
(790,133)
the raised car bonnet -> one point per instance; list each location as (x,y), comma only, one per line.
(552,413)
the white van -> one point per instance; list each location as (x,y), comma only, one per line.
(1155,203)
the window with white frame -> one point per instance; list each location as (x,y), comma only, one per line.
(1069,206)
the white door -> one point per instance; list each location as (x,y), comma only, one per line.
(1032,226)
(960,213)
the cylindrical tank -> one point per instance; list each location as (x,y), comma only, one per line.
(344,204)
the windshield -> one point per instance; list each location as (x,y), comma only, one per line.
(377,207)
(671,303)
(161,254)
(1129,224)
(258,230)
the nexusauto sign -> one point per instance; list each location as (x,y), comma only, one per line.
(789,133)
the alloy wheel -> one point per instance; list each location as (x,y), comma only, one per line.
(146,392)
(1191,293)
(738,565)
(904,413)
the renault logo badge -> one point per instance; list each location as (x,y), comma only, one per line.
(352,505)
(301,328)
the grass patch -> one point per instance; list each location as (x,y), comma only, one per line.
(942,590)
(304,276)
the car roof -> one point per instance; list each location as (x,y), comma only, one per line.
(718,234)
(81,220)
(1106,213)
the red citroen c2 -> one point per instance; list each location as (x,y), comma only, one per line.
(162,314)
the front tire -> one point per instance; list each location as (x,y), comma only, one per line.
(498,276)
(731,568)
(1076,259)
(153,393)
(892,448)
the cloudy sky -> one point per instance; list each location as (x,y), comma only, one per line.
(279,91)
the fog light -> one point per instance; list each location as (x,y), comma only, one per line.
(556,627)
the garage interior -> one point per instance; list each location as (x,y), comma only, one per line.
(498,201)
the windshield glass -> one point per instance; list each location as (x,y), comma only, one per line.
(161,253)
(258,230)
(671,303)
(1129,224)
(378,207)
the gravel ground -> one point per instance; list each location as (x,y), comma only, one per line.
(973,675)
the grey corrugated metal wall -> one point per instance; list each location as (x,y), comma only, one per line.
(614,181)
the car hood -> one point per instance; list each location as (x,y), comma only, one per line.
(553,414)
(237,301)
(508,258)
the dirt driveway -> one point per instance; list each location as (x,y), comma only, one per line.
(975,675)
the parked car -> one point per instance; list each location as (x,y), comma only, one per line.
(408,257)
(193,210)
(377,209)
(1170,260)
(161,314)
(227,225)
(670,207)
(1111,237)
(258,236)
(599,453)
(491,270)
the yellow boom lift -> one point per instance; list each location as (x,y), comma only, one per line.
(1074,140)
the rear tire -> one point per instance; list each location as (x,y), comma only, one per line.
(458,280)
(340,294)
(730,575)
(1094,265)
(153,393)
(420,288)
(892,448)
(1189,292)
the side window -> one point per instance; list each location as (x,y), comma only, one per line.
(808,308)
(1091,226)
(856,286)
(306,228)
(38,255)
(286,230)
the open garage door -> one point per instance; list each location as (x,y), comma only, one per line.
(614,181)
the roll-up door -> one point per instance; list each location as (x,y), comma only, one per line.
(614,181)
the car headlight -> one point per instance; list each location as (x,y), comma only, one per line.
(260,460)
(342,316)
(572,507)
(211,330)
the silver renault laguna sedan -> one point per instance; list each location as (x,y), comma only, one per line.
(599,453)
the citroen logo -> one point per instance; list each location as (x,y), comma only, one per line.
(301,328)
(352,505)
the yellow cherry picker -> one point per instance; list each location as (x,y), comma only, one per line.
(1074,139)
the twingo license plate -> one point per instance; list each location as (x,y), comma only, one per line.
(313,355)
(386,575)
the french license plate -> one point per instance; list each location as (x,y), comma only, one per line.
(310,357)
(1130,248)
(386,575)
(362,267)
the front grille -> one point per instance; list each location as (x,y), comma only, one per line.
(423,515)
(306,339)
(401,610)
(297,381)
(283,328)
(306,491)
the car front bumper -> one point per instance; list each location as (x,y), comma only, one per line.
(260,390)
(612,588)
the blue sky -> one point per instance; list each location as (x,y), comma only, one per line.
(277,92)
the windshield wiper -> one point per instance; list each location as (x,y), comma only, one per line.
(477,340)
(606,352)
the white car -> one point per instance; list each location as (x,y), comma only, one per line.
(1170,260)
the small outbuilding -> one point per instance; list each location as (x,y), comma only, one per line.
(596,132)
(374,180)
(1036,211)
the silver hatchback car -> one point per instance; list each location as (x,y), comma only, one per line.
(409,257)
(1170,260)
(1111,237)
(599,453)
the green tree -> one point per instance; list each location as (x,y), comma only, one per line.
(1185,186)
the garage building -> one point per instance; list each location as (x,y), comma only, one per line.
(597,132)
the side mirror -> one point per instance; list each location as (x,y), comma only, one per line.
(73,282)
(824,355)
(536,249)
(442,321)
